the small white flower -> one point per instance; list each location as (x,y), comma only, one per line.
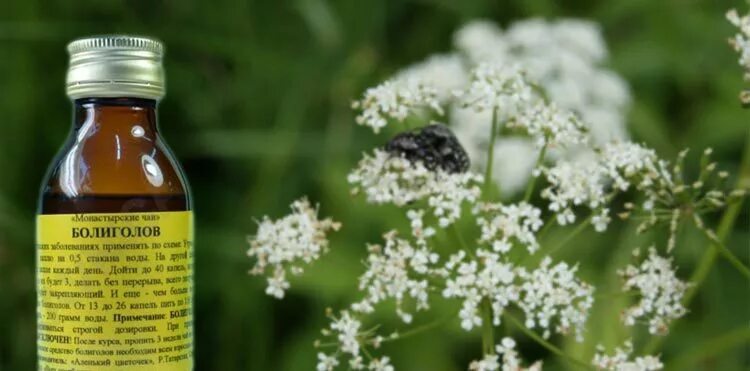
(488,363)
(500,88)
(506,91)
(395,100)
(564,59)
(510,359)
(741,40)
(660,291)
(601,220)
(502,225)
(550,126)
(474,280)
(574,183)
(621,360)
(326,362)
(380,364)
(386,178)
(553,298)
(587,180)
(627,163)
(397,271)
(286,244)
(346,330)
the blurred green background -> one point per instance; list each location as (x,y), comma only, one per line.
(257,110)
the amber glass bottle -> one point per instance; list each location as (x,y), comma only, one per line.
(114,225)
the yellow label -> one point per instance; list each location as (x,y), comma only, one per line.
(114,291)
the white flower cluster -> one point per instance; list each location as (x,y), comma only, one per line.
(741,40)
(573,183)
(621,360)
(552,291)
(628,163)
(286,244)
(395,99)
(501,88)
(386,178)
(660,293)
(510,359)
(501,225)
(396,271)
(350,339)
(506,91)
(551,297)
(586,181)
(565,61)
(483,278)
(565,58)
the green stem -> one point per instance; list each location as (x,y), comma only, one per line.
(579,228)
(488,335)
(459,237)
(490,157)
(532,182)
(534,336)
(420,329)
(728,254)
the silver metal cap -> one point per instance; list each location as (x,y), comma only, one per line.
(116,66)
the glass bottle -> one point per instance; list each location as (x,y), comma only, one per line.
(114,224)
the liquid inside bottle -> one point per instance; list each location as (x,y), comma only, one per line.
(114,224)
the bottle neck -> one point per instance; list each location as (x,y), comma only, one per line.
(116,112)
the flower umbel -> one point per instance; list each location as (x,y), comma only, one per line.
(397,271)
(510,359)
(660,293)
(394,100)
(387,178)
(621,360)
(286,245)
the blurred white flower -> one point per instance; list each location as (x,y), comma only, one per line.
(380,364)
(621,360)
(565,58)
(741,40)
(285,245)
(326,362)
(660,293)
(444,73)
(386,178)
(506,91)
(488,363)
(346,330)
(480,41)
(395,100)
